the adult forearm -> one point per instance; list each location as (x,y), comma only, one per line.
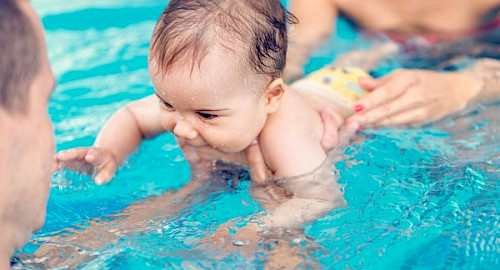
(316,21)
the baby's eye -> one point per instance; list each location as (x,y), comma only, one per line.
(206,116)
(166,105)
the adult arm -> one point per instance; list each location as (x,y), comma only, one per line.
(316,22)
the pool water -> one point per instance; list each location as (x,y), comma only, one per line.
(420,198)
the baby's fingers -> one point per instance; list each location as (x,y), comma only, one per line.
(259,171)
(104,164)
(346,133)
(74,154)
(97,157)
(105,174)
(330,129)
(74,160)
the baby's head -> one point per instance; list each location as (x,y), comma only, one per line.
(216,66)
(253,31)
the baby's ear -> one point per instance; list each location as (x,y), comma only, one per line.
(274,94)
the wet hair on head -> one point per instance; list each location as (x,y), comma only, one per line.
(20,53)
(256,30)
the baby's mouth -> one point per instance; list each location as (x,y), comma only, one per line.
(193,143)
(209,152)
(206,147)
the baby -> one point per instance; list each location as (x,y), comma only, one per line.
(216,67)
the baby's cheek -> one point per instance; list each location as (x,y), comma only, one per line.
(227,142)
(166,122)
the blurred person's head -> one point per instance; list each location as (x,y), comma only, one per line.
(26,135)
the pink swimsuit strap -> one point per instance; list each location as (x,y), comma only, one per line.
(434,38)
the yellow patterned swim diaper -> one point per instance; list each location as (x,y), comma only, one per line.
(340,84)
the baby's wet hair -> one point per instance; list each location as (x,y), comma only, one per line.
(255,29)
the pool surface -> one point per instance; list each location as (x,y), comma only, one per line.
(420,198)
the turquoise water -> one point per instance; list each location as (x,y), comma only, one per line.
(422,198)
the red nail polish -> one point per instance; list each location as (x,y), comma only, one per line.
(359,108)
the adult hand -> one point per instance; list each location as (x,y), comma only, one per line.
(412,97)
(88,160)
(332,136)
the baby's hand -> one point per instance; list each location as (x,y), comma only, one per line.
(200,168)
(88,160)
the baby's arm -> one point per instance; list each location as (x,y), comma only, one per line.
(120,136)
(126,129)
(291,148)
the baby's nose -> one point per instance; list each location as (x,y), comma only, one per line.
(182,129)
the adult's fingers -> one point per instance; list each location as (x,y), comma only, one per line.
(389,90)
(409,117)
(370,84)
(399,104)
(330,129)
(259,171)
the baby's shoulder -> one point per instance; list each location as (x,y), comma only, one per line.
(295,117)
(290,139)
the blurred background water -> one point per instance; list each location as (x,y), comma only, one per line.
(420,198)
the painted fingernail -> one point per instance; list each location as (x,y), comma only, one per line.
(359,108)
(98,181)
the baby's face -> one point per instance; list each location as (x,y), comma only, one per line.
(214,108)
